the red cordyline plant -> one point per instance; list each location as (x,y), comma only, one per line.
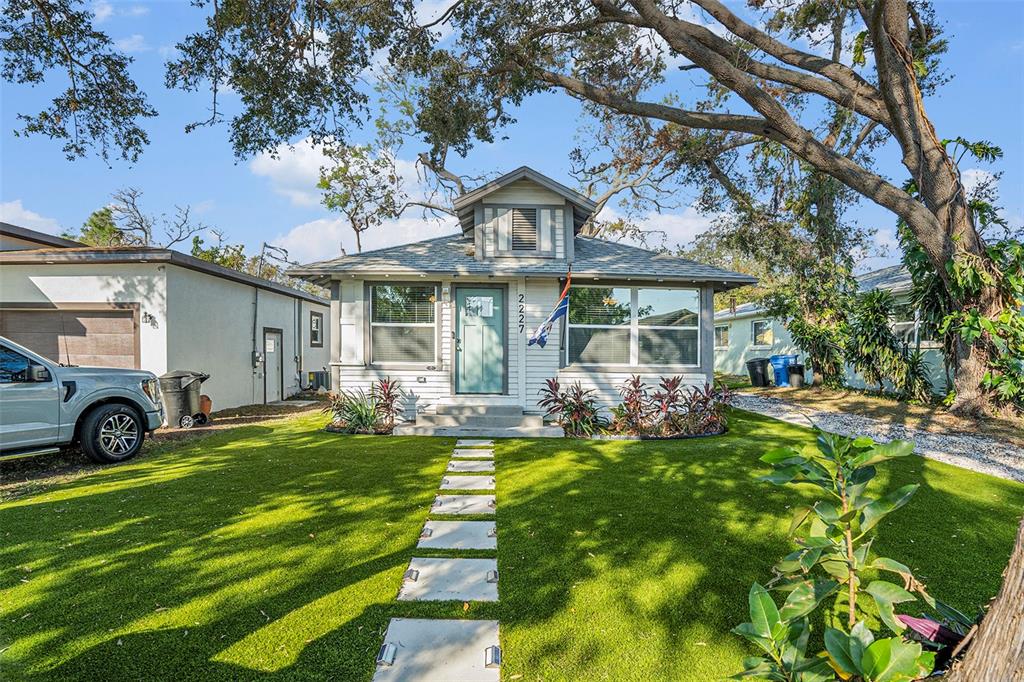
(386,393)
(634,414)
(667,400)
(575,409)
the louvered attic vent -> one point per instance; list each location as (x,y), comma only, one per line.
(524,229)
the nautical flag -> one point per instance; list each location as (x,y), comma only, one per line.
(540,335)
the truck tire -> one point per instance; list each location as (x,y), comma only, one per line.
(112,433)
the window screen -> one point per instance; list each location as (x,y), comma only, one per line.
(316,330)
(524,229)
(402,324)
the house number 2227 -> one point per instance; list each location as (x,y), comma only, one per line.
(522,313)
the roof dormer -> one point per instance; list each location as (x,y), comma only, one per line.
(523,214)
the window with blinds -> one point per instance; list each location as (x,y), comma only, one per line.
(402,324)
(524,229)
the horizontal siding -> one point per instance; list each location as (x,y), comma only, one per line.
(524,192)
(541,363)
(607,384)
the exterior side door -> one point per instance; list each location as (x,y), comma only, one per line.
(29,410)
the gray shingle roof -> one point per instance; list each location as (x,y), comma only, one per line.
(454,255)
(895,278)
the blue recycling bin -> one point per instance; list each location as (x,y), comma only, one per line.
(780,367)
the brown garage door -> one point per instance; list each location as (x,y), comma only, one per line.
(103,338)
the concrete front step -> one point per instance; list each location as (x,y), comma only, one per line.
(480,421)
(480,432)
(479,409)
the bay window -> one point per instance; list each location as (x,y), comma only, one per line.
(403,327)
(649,326)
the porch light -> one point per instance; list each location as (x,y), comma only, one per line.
(387,653)
(492,657)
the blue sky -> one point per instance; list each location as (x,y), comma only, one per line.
(256,200)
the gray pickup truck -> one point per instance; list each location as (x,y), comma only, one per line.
(45,406)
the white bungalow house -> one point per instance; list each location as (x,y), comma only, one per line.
(747,332)
(451,317)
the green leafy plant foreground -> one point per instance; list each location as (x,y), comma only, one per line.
(833,562)
(369,413)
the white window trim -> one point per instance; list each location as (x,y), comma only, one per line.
(753,335)
(433,325)
(634,327)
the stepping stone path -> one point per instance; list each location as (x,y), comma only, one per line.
(468,466)
(459,535)
(470,453)
(435,650)
(467,483)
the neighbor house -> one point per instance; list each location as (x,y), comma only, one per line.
(746,332)
(160,310)
(451,317)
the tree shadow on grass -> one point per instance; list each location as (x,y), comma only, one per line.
(633,560)
(265,539)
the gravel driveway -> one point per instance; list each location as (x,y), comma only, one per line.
(970,451)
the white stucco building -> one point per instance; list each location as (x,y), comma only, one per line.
(160,310)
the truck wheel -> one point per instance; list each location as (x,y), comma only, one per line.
(112,433)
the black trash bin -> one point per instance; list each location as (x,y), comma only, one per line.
(796,376)
(757,369)
(180,390)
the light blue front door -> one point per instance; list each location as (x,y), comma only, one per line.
(479,340)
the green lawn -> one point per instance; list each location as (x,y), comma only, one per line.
(278,550)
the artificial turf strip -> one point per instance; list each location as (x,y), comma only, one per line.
(618,560)
(633,560)
(261,550)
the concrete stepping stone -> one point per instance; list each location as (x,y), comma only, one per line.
(428,650)
(470,466)
(463,504)
(467,483)
(474,443)
(459,535)
(450,580)
(477,453)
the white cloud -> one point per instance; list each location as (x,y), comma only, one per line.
(135,11)
(14,213)
(886,251)
(294,172)
(324,238)
(668,229)
(102,10)
(973,178)
(133,43)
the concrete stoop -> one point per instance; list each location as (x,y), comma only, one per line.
(458,417)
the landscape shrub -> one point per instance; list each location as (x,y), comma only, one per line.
(671,410)
(575,409)
(833,562)
(361,412)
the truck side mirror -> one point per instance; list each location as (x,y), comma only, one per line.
(38,373)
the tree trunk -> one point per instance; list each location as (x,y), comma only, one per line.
(997,652)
